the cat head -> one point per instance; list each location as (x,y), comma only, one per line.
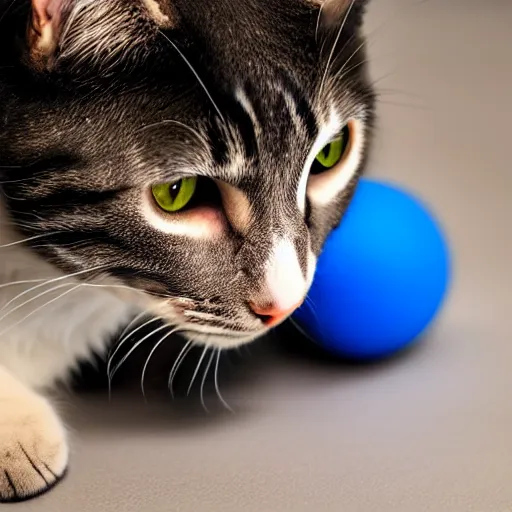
(199,152)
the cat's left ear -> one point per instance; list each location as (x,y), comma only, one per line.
(93,32)
(334,10)
(44,29)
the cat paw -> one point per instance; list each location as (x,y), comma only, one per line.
(33,449)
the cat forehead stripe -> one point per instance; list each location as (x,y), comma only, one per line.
(244,100)
(297,104)
(253,114)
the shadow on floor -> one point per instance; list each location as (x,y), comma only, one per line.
(198,384)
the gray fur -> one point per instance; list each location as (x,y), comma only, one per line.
(120,110)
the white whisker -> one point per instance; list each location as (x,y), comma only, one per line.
(189,64)
(340,74)
(122,342)
(198,367)
(134,348)
(309,302)
(27,281)
(32,299)
(140,316)
(154,349)
(25,240)
(203,381)
(320,12)
(40,308)
(47,282)
(217,388)
(331,55)
(174,370)
(9,7)
(302,331)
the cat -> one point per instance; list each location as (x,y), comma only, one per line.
(177,158)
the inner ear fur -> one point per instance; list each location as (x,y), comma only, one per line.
(44,28)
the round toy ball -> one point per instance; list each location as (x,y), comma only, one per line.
(381,278)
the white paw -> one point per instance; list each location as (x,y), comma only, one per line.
(33,448)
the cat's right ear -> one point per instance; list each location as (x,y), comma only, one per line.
(44,30)
(333,11)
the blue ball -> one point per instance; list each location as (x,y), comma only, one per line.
(381,278)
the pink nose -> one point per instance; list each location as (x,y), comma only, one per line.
(272,315)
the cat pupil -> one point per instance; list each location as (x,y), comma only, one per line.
(174,190)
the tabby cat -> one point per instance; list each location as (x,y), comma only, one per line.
(182,158)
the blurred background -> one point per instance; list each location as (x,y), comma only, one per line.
(427,431)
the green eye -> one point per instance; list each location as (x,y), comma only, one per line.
(332,153)
(173,197)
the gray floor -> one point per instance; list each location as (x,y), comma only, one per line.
(430,432)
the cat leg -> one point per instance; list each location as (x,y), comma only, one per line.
(33,445)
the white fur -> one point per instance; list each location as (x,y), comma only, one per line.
(43,334)
(33,448)
(40,348)
(327,132)
(245,102)
(155,11)
(285,281)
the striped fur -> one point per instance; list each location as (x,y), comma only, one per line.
(132,93)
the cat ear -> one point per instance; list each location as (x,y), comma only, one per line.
(160,13)
(45,28)
(333,11)
(87,32)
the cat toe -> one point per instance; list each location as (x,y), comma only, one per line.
(33,455)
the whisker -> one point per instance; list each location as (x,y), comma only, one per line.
(217,388)
(25,240)
(154,349)
(331,55)
(9,7)
(179,360)
(318,21)
(340,75)
(352,55)
(32,299)
(123,341)
(309,302)
(189,64)
(47,282)
(389,92)
(203,381)
(40,308)
(27,281)
(198,367)
(134,348)
(140,316)
(406,105)
(303,332)
(383,77)
(21,180)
